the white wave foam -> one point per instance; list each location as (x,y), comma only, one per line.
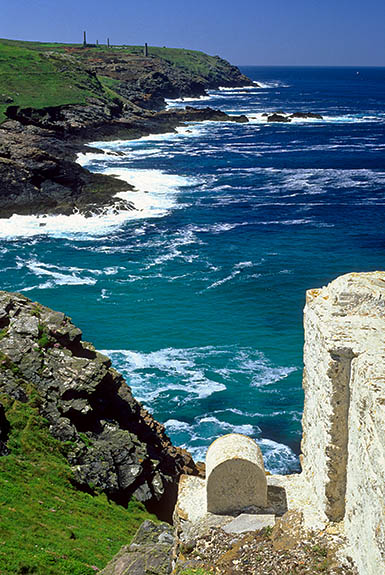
(62,275)
(216,228)
(191,370)
(154,196)
(261,118)
(169,378)
(237,270)
(180,371)
(171,102)
(225,426)
(176,425)
(278,456)
(56,275)
(274,84)
(237,88)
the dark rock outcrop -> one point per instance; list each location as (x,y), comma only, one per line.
(38,169)
(150,552)
(280,116)
(145,82)
(306,115)
(4,429)
(115,444)
(38,174)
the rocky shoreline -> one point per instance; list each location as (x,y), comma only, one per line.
(38,147)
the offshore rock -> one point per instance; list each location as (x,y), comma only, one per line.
(281,116)
(306,115)
(278,118)
(117,447)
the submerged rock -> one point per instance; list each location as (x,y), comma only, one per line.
(116,445)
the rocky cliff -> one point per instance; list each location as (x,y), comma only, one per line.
(114,445)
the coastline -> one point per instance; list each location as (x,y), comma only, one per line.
(75,188)
(39,146)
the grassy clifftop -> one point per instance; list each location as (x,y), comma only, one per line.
(30,77)
(39,75)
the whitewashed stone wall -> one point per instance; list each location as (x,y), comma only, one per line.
(343,442)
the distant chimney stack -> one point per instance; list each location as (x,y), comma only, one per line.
(145,50)
(108,42)
(84,40)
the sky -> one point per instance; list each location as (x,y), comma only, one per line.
(246,32)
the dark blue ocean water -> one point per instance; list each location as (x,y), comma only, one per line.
(198,296)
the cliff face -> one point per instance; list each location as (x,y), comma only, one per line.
(114,445)
(344,417)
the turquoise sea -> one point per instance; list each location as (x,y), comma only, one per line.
(197,297)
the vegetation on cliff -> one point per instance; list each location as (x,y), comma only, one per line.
(48,526)
(74,444)
(38,75)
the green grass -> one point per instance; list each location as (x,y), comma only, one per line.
(197,62)
(30,78)
(47,526)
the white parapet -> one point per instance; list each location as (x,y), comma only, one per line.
(343,423)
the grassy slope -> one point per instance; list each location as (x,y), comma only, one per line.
(37,79)
(36,74)
(47,527)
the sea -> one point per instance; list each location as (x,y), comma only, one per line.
(197,295)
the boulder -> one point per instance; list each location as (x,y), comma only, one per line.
(150,552)
(247,522)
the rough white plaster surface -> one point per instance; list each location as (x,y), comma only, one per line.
(343,423)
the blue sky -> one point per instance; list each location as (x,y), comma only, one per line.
(268,32)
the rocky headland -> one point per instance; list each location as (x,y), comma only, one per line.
(115,93)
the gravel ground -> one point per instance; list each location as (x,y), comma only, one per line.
(261,553)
